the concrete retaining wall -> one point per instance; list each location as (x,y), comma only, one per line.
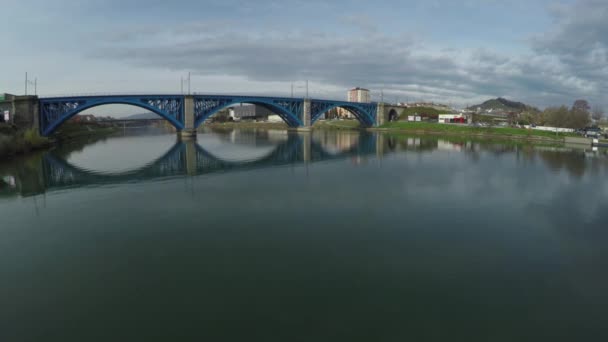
(578,141)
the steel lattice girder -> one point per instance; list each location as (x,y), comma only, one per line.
(289,109)
(55,111)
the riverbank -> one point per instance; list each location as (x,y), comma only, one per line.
(245,125)
(436,129)
(417,128)
(322,124)
(73,131)
(14,141)
(424,128)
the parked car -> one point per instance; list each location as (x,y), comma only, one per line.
(593,132)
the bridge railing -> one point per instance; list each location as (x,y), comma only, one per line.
(328,97)
(240,94)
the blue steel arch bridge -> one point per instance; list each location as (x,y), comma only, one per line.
(188,112)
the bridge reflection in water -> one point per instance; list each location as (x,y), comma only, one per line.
(192,158)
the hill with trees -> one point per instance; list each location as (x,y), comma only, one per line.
(501,105)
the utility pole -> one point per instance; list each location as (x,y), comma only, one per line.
(188,82)
(28,83)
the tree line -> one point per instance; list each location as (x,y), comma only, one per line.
(578,116)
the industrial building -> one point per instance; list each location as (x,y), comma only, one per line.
(250,112)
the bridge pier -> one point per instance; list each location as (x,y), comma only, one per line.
(380,143)
(306,147)
(381,114)
(306,116)
(189,131)
(191,159)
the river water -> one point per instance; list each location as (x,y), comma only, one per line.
(329,236)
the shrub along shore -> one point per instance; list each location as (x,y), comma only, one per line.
(14,141)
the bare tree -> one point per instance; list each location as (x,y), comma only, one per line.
(557,116)
(512,118)
(597,113)
(579,115)
(581,105)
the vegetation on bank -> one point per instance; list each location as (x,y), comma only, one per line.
(502,105)
(413,128)
(428,112)
(578,116)
(424,127)
(14,141)
(70,131)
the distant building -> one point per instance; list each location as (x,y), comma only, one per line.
(251,112)
(359,95)
(452,118)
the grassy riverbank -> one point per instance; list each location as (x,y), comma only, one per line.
(462,130)
(417,128)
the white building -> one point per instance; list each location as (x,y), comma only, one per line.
(359,95)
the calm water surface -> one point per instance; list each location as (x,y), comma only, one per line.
(270,236)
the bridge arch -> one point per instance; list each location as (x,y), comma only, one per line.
(364,112)
(289,110)
(392,115)
(55,112)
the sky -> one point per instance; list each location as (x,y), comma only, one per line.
(460,53)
